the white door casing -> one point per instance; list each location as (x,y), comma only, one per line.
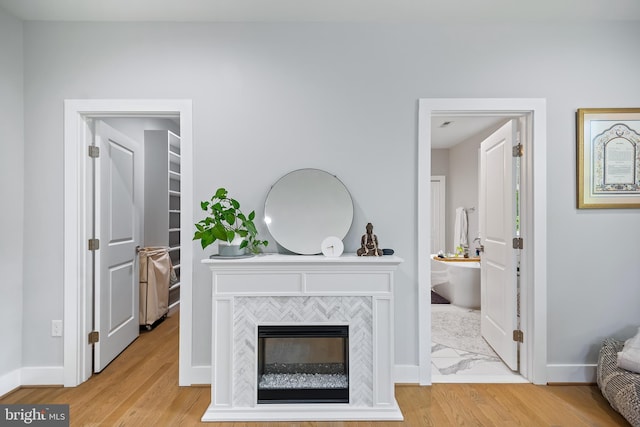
(496,230)
(438,218)
(78,313)
(118,222)
(533,271)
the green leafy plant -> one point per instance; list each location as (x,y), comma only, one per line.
(225,221)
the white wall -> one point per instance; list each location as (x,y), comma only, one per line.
(11,199)
(463,188)
(270,98)
(440,161)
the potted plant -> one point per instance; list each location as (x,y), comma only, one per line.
(226,223)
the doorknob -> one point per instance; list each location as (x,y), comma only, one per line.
(138,249)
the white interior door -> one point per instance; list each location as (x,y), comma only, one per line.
(438,223)
(496,229)
(118,223)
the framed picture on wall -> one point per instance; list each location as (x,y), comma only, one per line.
(608,158)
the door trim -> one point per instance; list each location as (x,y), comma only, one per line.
(78,309)
(534,226)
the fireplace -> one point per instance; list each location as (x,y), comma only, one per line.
(340,310)
(303,364)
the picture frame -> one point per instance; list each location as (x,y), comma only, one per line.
(608,158)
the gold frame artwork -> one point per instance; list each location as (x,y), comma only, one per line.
(608,158)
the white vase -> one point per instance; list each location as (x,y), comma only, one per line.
(231,248)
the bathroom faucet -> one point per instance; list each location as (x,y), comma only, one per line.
(480,247)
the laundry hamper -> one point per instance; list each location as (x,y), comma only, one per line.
(155,275)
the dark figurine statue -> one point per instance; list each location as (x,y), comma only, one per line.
(369,243)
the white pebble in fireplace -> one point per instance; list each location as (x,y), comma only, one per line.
(294,290)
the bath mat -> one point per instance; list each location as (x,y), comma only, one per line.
(438,299)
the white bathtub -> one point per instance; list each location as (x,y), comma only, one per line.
(459,282)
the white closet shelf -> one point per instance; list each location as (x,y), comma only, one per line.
(162,204)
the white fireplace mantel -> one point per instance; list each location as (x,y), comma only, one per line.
(297,290)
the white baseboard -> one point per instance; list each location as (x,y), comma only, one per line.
(42,375)
(54,375)
(50,375)
(200,375)
(406,374)
(558,373)
(9,382)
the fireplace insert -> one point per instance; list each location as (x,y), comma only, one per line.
(303,364)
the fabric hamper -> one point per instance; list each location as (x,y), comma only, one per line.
(155,275)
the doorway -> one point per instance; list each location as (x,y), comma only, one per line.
(78,310)
(533,197)
(467,340)
(140,222)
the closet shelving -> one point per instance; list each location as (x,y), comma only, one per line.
(174,214)
(162,198)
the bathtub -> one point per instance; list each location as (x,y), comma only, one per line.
(457,281)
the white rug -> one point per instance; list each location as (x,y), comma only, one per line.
(458,328)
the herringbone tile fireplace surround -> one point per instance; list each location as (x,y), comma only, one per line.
(354,311)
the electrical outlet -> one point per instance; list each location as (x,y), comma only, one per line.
(56,328)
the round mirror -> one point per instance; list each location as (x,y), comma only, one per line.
(306,206)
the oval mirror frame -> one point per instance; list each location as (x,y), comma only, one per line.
(304,207)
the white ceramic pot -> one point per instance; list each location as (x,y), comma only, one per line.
(231,248)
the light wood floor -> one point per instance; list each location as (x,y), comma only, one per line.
(140,388)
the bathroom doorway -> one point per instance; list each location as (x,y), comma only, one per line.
(462,350)
(533,196)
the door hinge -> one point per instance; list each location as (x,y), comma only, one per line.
(518,150)
(94,337)
(94,151)
(518,243)
(94,244)
(518,335)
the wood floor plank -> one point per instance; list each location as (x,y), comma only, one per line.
(140,389)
